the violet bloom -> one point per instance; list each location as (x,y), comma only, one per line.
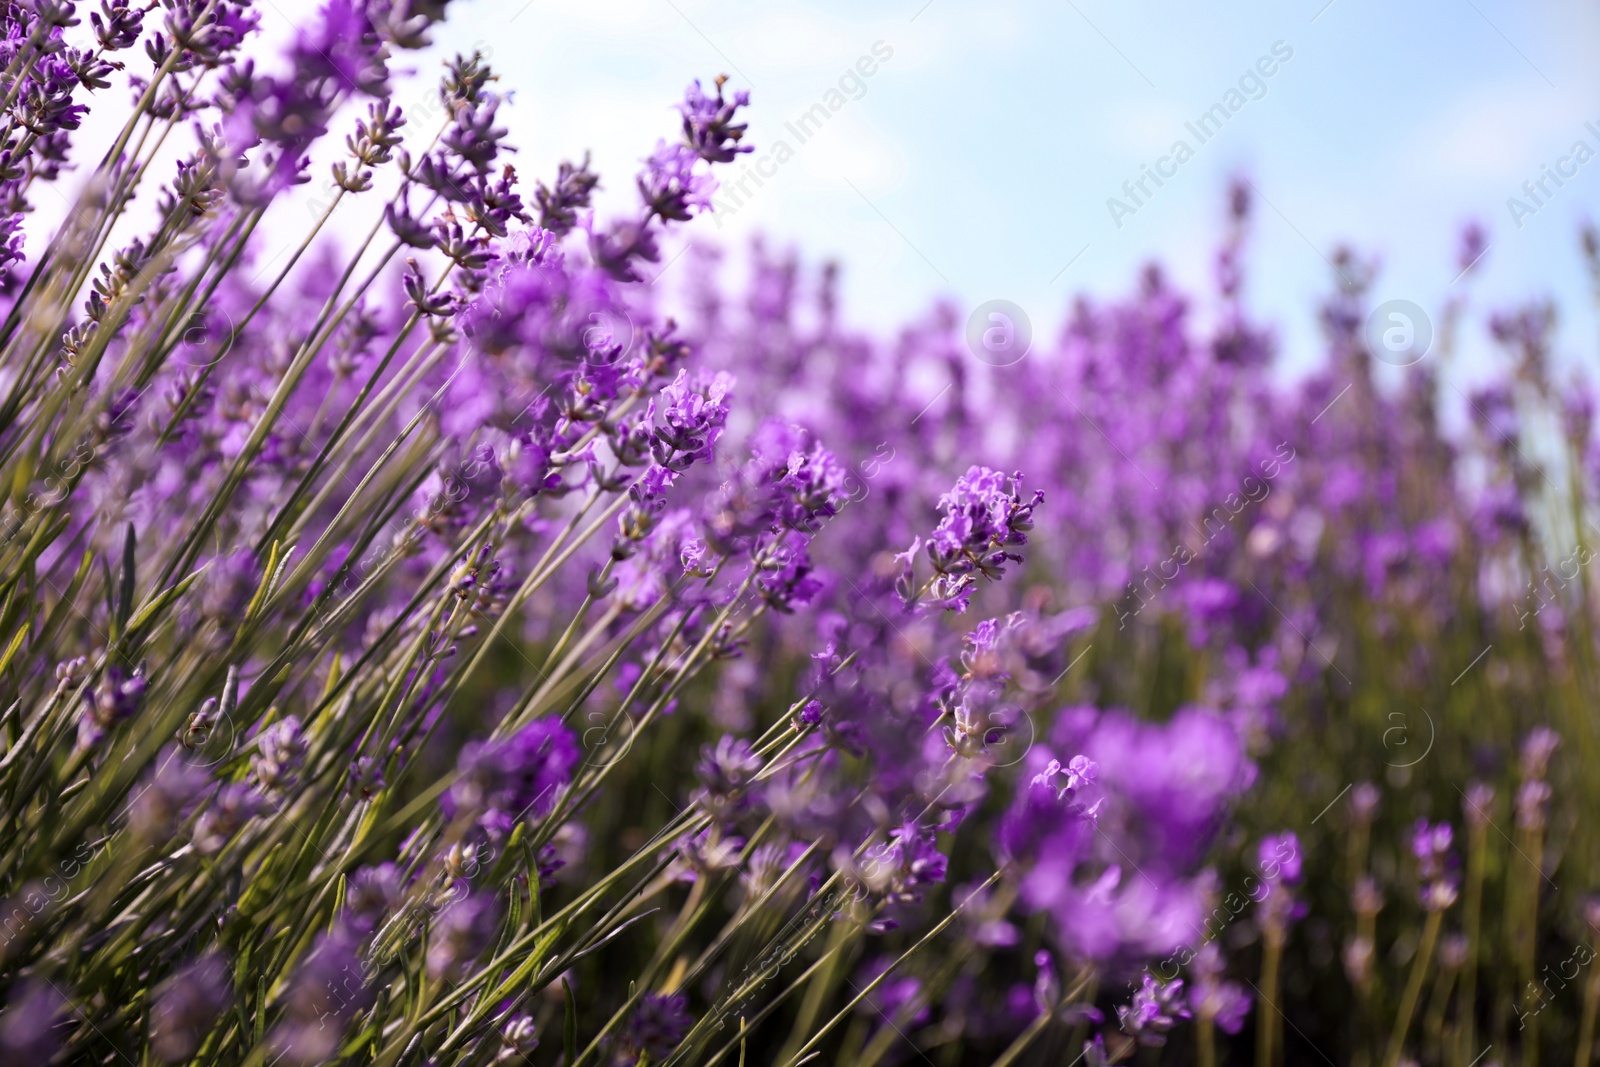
(984,515)
(1278,859)
(186,1006)
(461,933)
(1226,1003)
(31,1026)
(366,778)
(559,206)
(1364,800)
(280,751)
(708,125)
(166,797)
(1156,1008)
(327,991)
(725,773)
(1537,749)
(116,700)
(693,414)
(228,811)
(517,1040)
(1067,781)
(672,186)
(894,993)
(899,869)
(371,895)
(1116,870)
(659,1022)
(1476,804)
(1430,844)
(515,778)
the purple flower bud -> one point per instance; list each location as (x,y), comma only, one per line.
(228,811)
(1541,743)
(117,700)
(1364,800)
(460,934)
(166,797)
(515,778)
(517,1040)
(31,1029)
(1156,1008)
(708,126)
(371,895)
(725,773)
(186,1006)
(659,1022)
(280,750)
(327,991)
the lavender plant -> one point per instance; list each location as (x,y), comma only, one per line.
(427,652)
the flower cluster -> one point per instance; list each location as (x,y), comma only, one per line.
(429,651)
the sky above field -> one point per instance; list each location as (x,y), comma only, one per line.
(972,151)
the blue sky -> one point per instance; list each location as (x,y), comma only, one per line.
(976,161)
(979,157)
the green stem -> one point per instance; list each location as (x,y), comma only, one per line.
(1408,1002)
(1272,954)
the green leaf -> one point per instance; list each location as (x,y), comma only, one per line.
(569,1032)
(163,601)
(125,581)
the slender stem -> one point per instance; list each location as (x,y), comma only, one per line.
(1272,954)
(844,1013)
(1408,1001)
(1205,1040)
(1584,1056)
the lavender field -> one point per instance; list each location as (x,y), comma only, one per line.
(432,645)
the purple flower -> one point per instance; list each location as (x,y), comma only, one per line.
(517,1040)
(891,995)
(371,895)
(1278,856)
(900,869)
(117,700)
(560,206)
(983,515)
(1067,781)
(725,774)
(1430,844)
(327,992)
(515,778)
(461,933)
(708,126)
(692,415)
(671,186)
(280,751)
(659,1022)
(166,797)
(228,811)
(186,1006)
(1537,749)
(1156,1008)
(31,1025)
(366,777)
(1227,1003)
